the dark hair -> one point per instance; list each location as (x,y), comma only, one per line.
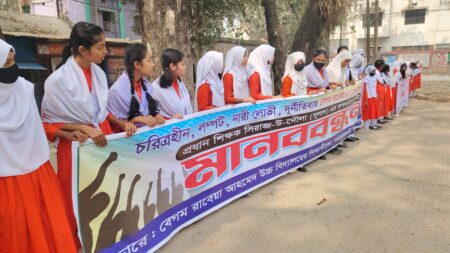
(169,56)
(378,63)
(403,73)
(136,53)
(83,34)
(385,68)
(320,52)
(413,64)
(341,48)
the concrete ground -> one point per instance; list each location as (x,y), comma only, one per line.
(389,192)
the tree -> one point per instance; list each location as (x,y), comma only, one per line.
(1,34)
(275,37)
(367,17)
(167,24)
(375,31)
(322,16)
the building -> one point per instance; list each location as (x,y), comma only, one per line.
(116,17)
(407,29)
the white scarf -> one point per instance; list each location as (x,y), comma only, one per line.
(387,79)
(23,144)
(335,70)
(370,82)
(356,66)
(233,65)
(257,62)
(67,98)
(168,100)
(299,82)
(379,77)
(208,69)
(314,77)
(119,97)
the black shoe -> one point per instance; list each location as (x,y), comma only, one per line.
(336,151)
(382,122)
(388,118)
(302,169)
(324,157)
(350,139)
(374,128)
(355,138)
(343,145)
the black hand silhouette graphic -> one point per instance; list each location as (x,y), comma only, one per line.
(92,206)
(111,225)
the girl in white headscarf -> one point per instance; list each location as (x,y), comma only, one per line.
(356,67)
(294,79)
(209,88)
(258,71)
(337,68)
(32,210)
(369,99)
(235,76)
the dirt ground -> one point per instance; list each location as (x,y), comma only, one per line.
(389,192)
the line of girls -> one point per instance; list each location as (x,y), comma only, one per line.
(78,105)
(386,91)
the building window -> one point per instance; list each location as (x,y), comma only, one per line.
(370,18)
(442,46)
(416,16)
(413,48)
(108,20)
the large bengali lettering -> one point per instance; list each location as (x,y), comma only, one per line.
(214,163)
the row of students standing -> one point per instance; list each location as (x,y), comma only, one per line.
(247,76)
(386,92)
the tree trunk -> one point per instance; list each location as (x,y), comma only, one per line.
(1,34)
(375,32)
(307,37)
(276,40)
(166,24)
(368,31)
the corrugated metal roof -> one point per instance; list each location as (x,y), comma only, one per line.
(19,24)
(43,27)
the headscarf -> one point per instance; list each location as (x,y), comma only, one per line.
(370,82)
(208,69)
(23,144)
(257,62)
(335,70)
(356,66)
(299,82)
(233,65)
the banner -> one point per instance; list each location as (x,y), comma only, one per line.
(134,194)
